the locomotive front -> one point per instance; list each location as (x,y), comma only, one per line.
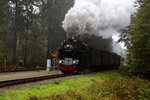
(68,57)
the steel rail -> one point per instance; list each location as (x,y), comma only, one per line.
(28,80)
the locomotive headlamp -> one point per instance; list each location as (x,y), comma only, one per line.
(75,61)
(60,61)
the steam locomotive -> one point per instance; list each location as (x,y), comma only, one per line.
(77,57)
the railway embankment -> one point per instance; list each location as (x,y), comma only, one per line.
(106,85)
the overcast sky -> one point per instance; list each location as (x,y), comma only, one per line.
(116,38)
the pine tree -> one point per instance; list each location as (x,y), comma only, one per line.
(139,50)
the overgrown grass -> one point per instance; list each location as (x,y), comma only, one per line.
(110,85)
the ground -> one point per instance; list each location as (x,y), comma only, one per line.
(106,85)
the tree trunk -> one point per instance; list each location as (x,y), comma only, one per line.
(15,35)
(25,52)
(14,51)
(48,45)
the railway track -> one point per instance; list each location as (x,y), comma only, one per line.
(26,70)
(28,80)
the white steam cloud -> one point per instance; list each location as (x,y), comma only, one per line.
(98,17)
(117,49)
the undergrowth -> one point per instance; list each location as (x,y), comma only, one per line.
(109,85)
(127,89)
(111,89)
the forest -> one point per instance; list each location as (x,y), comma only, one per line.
(30,30)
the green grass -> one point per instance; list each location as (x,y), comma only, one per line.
(108,85)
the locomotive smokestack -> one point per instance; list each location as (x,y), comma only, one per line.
(71,36)
(98,17)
